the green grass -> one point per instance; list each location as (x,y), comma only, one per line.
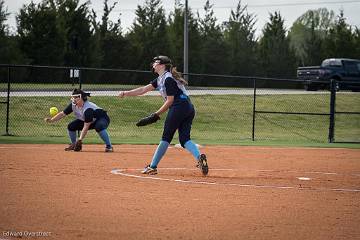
(225,119)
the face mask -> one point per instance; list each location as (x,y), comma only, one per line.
(75,98)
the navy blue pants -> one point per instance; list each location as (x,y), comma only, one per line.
(179,118)
(99,125)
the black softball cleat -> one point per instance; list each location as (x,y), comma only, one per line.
(203,165)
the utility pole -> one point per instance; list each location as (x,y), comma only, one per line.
(186,43)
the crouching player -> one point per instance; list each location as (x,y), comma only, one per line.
(88,116)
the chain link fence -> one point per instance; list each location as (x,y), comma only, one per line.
(229,109)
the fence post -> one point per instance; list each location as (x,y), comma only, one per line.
(254,110)
(8,104)
(79,76)
(332,110)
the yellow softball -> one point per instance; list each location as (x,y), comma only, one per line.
(53,111)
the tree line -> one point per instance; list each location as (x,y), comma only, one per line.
(67,33)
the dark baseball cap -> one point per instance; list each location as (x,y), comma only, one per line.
(162,59)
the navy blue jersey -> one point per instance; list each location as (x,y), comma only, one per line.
(169,86)
(88,113)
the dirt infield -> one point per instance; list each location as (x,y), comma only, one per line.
(250,193)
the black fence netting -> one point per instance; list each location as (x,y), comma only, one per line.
(229,109)
(283,114)
(347,117)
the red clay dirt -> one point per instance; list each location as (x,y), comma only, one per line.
(250,193)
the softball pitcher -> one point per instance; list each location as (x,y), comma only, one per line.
(88,116)
(180,114)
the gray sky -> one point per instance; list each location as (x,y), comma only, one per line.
(290,10)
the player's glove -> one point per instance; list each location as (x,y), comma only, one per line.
(148,120)
(78,146)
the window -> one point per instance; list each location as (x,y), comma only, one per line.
(351,67)
(335,63)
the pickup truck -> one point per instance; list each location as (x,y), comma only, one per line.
(345,71)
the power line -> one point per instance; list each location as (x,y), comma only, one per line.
(262,5)
(249,6)
(299,4)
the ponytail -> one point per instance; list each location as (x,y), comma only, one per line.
(177,76)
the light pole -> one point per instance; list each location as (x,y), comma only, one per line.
(186,43)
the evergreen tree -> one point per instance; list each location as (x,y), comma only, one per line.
(339,41)
(176,37)
(75,24)
(195,43)
(213,49)
(175,31)
(56,32)
(276,58)
(9,48)
(240,38)
(4,40)
(3,17)
(4,54)
(109,41)
(356,37)
(40,38)
(115,49)
(148,34)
